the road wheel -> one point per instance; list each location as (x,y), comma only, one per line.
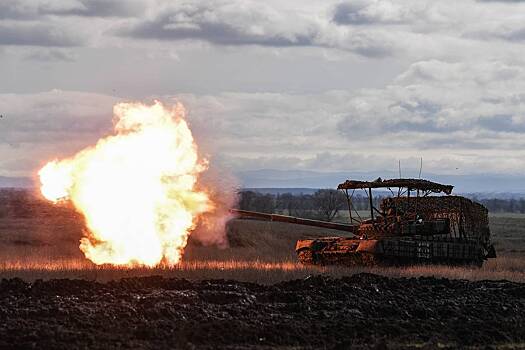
(306,256)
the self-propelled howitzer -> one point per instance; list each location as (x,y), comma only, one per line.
(414,226)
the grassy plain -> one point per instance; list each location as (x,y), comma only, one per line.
(41,241)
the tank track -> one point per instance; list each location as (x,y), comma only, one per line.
(307,257)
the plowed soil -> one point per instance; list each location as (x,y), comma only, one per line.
(361,311)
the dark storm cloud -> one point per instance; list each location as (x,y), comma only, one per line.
(204,23)
(37,35)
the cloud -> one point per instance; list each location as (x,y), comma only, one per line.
(432,99)
(321,161)
(504,1)
(448,81)
(53,117)
(450,113)
(98,8)
(227,23)
(51,55)
(34,9)
(361,12)
(436,29)
(419,29)
(513,31)
(502,123)
(38,35)
(35,128)
(511,35)
(236,23)
(18,10)
(375,28)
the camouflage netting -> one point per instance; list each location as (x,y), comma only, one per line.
(467,218)
(412,184)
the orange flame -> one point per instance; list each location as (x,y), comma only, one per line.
(136,188)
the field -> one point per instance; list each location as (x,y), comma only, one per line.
(252,294)
(39,240)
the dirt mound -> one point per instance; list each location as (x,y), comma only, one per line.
(363,311)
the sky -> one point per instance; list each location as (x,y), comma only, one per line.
(287,85)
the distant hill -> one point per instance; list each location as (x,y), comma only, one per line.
(268,178)
(307,182)
(483,185)
(275,191)
(16,182)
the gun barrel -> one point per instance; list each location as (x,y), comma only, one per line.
(294,220)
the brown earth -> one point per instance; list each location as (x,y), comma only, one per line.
(360,311)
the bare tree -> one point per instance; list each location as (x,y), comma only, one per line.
(294,205)
(264,203)
(328,203)
(246,199)
(304,206)
(286,202)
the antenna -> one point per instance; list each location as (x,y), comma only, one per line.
(420,166)
(399,163)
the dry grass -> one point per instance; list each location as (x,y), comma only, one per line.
(508,232)
(46,246)
(512,269)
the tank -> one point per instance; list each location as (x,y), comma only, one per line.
(420,223)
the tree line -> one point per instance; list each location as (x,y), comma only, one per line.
(497,205)
(326,204)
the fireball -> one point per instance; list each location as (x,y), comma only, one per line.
(136,188)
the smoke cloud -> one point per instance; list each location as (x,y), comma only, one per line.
(221,187)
